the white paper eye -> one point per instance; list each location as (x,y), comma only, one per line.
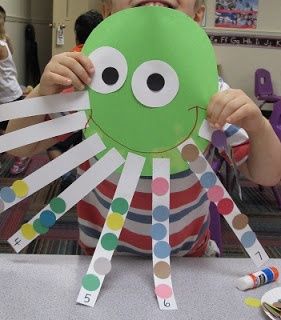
(155,83)
(111,70)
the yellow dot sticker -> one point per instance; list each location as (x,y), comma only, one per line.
(20,188)
(28,231)
(252,302)
(115,221)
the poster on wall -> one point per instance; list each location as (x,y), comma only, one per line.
(241,14)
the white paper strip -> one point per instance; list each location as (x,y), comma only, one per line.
(63,102)
(56,168)
(225,205)
(46,218)
(101,262)
(43,130)
(160,235)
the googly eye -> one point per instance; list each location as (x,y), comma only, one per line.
(111,70)
(155,83)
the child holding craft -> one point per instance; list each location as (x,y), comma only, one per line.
(259,159)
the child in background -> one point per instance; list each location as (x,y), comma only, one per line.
(10,89)
(259,160)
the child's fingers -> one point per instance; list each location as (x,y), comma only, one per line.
(216,106)
(67,73)
(231,107)
(85,62)
(77,69)
(59,80)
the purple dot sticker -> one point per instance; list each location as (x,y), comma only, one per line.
(47,218)
(7,194)
(160,186)
(158,231)
(248,239)
(163,291)
(162,249)
(219,139)
(90,282)
(161,213)
(215,193)
(199,165)
(2,206)
(208,180)
(102,266)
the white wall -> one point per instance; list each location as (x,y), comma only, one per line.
(239,63)
(18,13)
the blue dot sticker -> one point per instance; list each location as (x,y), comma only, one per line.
(7,194)
(158,231)
(248,239)
(161,213)
(208,180)
(162,249)
(47,218)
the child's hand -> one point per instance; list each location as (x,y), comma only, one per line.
(64,70)
(235,107)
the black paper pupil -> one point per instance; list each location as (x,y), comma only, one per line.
(110,76)
(155,82)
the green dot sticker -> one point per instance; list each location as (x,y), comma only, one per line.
(90,282)
(109,241)
(39,228)
(120,205)
(58,205)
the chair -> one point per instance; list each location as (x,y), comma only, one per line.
(215,226)
(264,88)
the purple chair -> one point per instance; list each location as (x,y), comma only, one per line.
(264,88)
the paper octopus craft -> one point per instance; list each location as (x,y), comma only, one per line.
(141,116)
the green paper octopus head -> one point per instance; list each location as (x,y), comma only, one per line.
(155,72)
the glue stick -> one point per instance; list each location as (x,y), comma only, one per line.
(257,279)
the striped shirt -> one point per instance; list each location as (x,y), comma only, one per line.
(189,210)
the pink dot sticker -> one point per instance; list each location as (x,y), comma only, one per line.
(160,186)
(215,194)
(163,291)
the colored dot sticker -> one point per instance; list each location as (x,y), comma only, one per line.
(7,195)
(252,302)
(160,186)
(90,282)
(208,180)
(219,139)
(109,241)
(158,231)
(163,291)
(162,249)
(58,205)
(162,270)
(47,218)
(120,205)
(115,221)
(161,213)
(39,228)
(20,188)
(199,165)
(102,266)
(2,206)
(28,231)
(240,222)
(215,193)
(190,152)
(225,206)
(248,239)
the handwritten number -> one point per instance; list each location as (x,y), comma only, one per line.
(167,304)
(87,298)
(259,254)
